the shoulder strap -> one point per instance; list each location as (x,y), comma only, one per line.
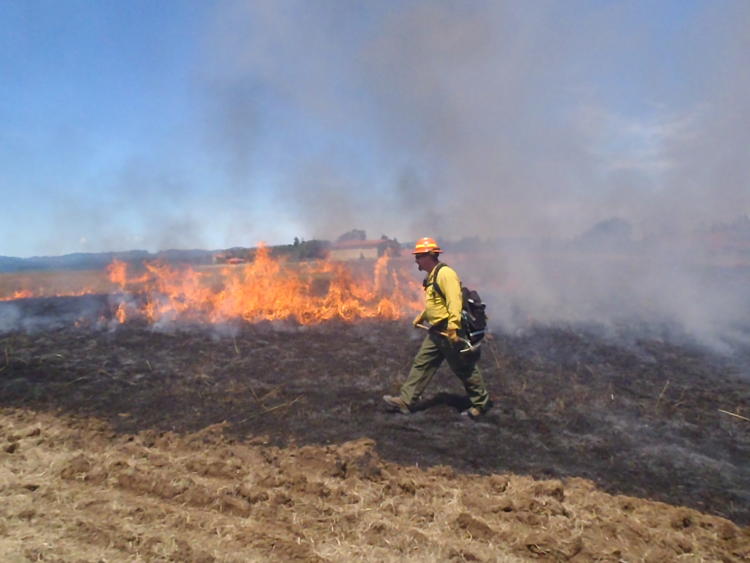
(435,283)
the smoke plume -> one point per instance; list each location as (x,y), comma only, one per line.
(513,121)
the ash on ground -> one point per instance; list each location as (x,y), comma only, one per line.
(644,417)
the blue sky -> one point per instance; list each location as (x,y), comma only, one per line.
(209,124)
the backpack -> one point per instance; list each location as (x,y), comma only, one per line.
(473,315)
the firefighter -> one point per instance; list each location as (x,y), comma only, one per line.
(444,339)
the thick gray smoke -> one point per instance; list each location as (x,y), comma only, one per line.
(549,118)
(525,124)
(507,121)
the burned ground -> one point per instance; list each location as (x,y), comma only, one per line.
(635,416)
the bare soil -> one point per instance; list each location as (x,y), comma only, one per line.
(270,442)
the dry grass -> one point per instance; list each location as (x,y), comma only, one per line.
(73,490)
(46,284)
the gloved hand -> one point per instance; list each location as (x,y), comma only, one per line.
(453,336)
(418,319)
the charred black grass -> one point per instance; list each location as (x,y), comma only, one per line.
(638,416)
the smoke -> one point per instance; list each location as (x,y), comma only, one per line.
(508,121)
(548,119)
(10,317)
(503,120)
(644,294)
(52,313)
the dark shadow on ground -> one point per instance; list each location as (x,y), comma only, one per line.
(458,402)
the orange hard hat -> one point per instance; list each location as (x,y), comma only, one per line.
(426,244)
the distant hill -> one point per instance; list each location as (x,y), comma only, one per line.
(8,264)
(98,260)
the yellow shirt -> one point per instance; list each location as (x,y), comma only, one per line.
(438,309)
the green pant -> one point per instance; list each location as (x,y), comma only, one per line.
(434,350)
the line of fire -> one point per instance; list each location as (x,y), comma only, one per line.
(306,282)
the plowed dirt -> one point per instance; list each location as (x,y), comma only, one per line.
(269,442)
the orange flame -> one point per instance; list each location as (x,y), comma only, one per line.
(266,289)
(44,292)
(18,294)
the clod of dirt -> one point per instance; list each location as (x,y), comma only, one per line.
(284,504)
